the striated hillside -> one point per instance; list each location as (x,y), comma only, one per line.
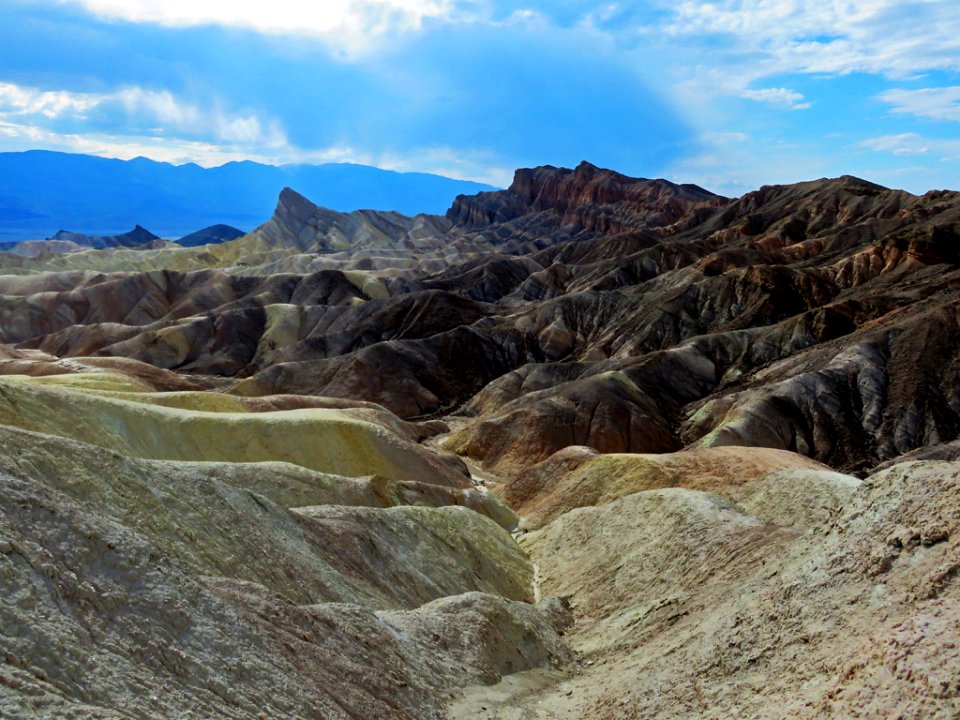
(277,476)
(575,308)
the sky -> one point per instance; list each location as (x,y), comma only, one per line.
(730,95)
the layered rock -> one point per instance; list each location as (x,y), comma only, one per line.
(585,199)
(208,427)
(221,493)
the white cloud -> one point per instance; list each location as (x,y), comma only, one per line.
(178,115)
(779,97)
(725,138)
(905,144)
(29,118)
(720,51)
(896,38)
(17,136)
(440,161)
(449,162)
(349,25)
(135,103)
(941,103)
(17,100)
(168,148)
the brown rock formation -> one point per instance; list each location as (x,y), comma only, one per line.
(585,199)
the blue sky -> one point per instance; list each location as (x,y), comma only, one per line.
(727,94)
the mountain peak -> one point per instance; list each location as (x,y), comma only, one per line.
(289,196)
(586,198)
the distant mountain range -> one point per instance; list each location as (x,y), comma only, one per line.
(65,241)
(42,192)
(139,236)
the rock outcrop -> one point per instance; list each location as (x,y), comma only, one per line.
(585,199)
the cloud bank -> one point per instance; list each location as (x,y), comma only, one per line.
(729,94)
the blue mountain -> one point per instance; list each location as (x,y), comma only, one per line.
(42,192)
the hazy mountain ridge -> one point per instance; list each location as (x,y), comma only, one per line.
(41,191)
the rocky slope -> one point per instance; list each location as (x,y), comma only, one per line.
(293,570)
(687,606)
(275,476)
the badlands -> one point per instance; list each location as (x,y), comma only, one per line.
(589,447)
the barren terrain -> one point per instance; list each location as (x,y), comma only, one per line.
(589,447)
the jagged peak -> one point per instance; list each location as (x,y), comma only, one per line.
(289,197)
(141,230)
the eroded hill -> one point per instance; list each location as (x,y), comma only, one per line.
(575,308)
(276,476)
